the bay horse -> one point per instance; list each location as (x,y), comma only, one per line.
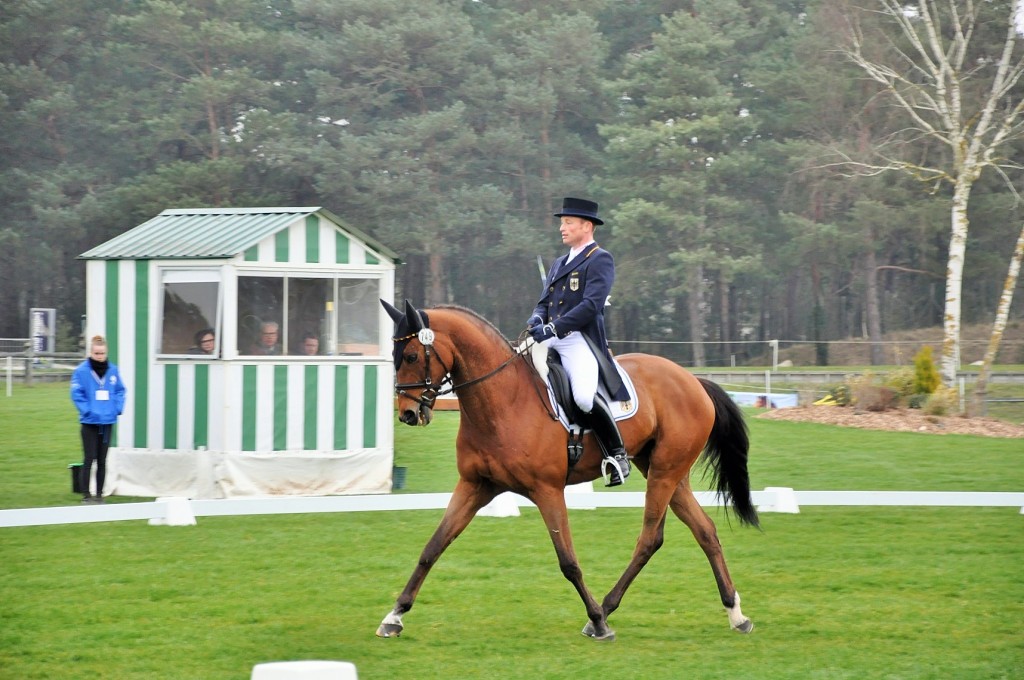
(509,441)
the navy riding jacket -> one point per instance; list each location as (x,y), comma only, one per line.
(574,298)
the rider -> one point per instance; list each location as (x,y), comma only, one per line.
(569,318)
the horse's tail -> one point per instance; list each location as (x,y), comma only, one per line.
(726,454)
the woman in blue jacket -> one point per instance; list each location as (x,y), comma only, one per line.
(98,392)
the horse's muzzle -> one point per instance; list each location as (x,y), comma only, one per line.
(420,416)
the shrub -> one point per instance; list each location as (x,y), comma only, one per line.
(901,381)
(874,398)
(941,402)
(840,394)
(868,394)
(917,400)
(926,376)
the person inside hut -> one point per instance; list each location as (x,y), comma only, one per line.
(205,342)
(266,342)
(310,345)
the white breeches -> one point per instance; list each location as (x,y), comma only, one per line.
(581,365)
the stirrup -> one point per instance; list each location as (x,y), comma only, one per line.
(613,472)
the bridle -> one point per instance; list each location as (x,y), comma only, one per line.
(430,391)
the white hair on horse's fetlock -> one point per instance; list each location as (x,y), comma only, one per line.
(736,617)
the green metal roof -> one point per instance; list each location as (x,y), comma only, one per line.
(212,233)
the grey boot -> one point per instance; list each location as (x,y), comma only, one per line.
(615,466)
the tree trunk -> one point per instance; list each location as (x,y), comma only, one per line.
(435,284)
(871,305)
(818,319)
(723,323)
(214,129)
(1002,313)
(954,281)
(791,310)
(693,300)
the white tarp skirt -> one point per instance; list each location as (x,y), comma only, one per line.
(213,474)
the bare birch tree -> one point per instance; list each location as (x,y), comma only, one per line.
(1002,314)
(963,100)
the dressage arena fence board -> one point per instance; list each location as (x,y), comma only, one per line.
(163,510)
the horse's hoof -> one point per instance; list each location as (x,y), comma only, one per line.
(745,626)
(389,630)
(591,632)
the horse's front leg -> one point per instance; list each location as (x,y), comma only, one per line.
(466,500)
(650,540)
(551,503)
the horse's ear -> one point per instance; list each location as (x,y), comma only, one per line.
(412,315)
(395,315)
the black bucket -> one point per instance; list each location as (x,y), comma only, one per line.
(398,478)
(76,477)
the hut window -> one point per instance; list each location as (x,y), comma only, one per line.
(309,301)
(358,318)
(191,313)
(261,315)
(314,314)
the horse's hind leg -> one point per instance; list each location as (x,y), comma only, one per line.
(466,500)
(686,508)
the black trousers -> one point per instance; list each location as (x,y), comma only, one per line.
(95,444)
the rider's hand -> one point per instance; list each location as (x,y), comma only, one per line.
(535,320)
(542,333)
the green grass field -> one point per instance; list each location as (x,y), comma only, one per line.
(833,592)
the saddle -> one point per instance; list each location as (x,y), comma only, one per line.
(548,365)
(558,378)
(561,389)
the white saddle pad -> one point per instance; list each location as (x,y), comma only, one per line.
(622,410)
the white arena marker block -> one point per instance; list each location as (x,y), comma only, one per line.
(305,670)
(785,500)
(503,505)
(582,487)
(179,513)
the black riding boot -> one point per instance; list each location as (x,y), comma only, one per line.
(615,465)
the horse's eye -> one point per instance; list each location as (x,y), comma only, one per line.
(411,358)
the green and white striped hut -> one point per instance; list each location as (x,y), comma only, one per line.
(255,352)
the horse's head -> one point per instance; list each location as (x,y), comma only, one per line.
(420,372)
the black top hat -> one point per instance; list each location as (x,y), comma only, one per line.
(580,207)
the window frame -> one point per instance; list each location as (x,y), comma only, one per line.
(191,274)
(285,331)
